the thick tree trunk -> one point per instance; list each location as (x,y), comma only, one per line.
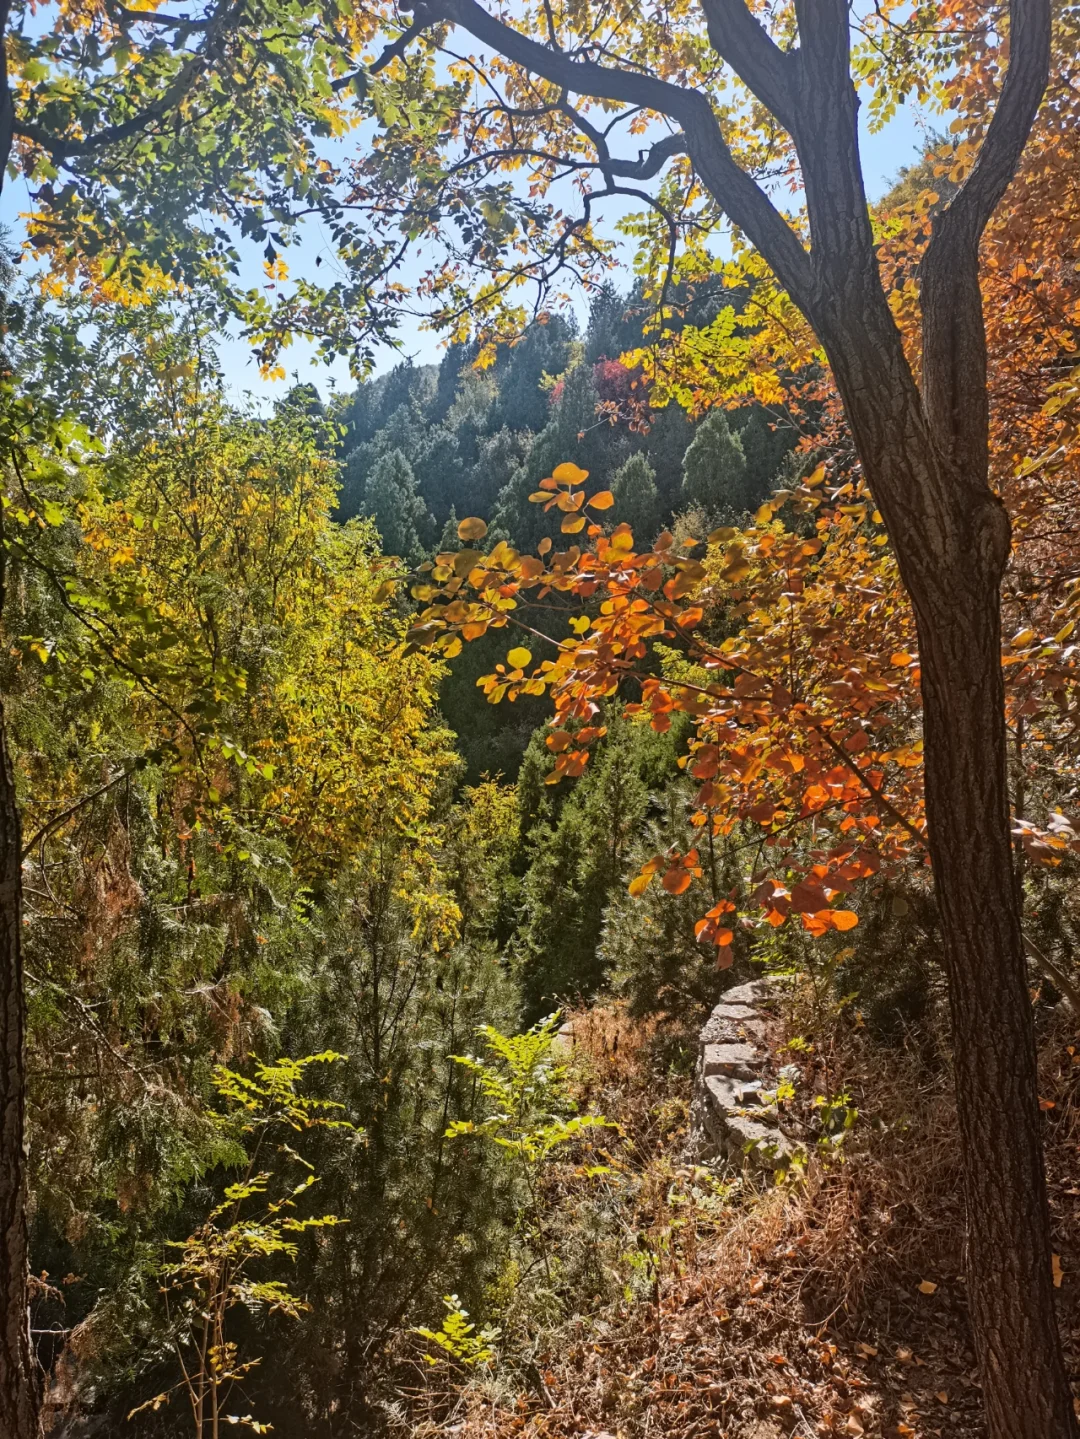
(18,1391)
(1008,1268)
(951,537)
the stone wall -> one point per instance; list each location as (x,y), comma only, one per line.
(730,1118)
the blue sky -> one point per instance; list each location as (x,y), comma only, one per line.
(897,144)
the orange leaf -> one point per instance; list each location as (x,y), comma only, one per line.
(808,898)
(844,918)
(567,474)
(558,740)
(677,880)
(639,884)
(602,500)
(471,529)
(571,524)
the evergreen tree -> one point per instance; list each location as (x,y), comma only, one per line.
(670,432)
(573,432)
(615,322)
(499,458)
(543,350)
(714,469)
(355,469)
(455,362)
(765,447)
(576,847)
(440,473)
(400,515)
(637,501)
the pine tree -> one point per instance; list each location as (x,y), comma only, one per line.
(765,447)
(714,469)
(400,515)
(637,502)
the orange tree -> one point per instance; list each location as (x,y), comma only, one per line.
(921,434)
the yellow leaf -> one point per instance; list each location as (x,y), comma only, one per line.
(472,529)
(519,657)
(639,884)
(572,523)
(927,1287)
(736,570)
(568,474)
(722,535)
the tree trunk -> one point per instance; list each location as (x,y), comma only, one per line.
(952,541)
(18,1391)
(1008,1263)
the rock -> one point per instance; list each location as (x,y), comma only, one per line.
(755,994)
(760,1144)
(723,1028)
(739,1059)
(729,1119)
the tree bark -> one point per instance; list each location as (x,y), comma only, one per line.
(18,1390)
(1009,1280)
(952,540)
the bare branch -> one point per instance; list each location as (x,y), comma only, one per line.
(648,163)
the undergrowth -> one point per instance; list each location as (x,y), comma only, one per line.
(689,1301)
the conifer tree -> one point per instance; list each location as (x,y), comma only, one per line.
(714,468)
(392,501)
(637,501)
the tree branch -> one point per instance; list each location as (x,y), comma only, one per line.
(648,163)
(768,72)
(970,210)
(954,339)
(396,49)
(734,191)
(59,819)
(62,148)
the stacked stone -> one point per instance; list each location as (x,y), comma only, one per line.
(731,1119)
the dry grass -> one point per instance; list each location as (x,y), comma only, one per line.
(805,1310)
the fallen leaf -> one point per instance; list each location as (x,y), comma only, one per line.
(941,1396)
(866,1350)
(1056,1270)
(927,1287)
